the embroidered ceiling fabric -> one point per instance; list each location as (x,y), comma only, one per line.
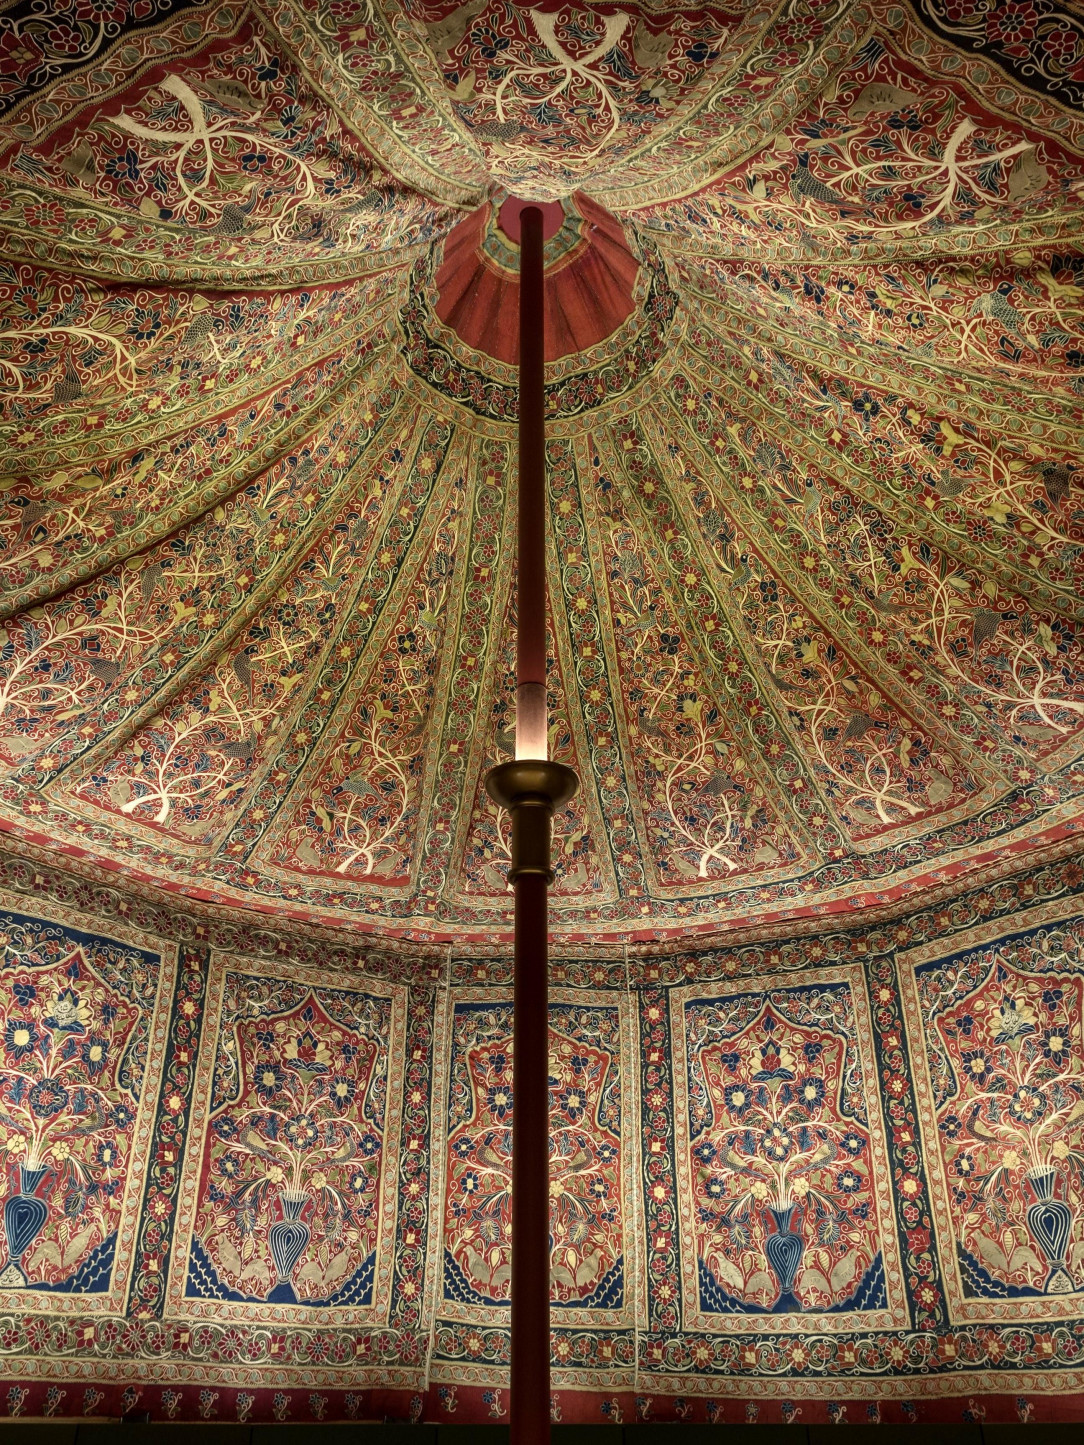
(817,294)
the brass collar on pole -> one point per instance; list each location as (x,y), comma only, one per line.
(532,790)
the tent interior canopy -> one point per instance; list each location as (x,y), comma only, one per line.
(814,299)
(814,333)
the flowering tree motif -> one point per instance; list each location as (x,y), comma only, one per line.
(71,344)
(53,662)
(706,815)
(292,1162)
(199,750)
(879,158)
(218,148)
(867,755)
(585,1175)
(1011,664)
(702,805)
(196,150)
(1024,326)
(568,71)
(998,483)
(40,334)
(73,1054)
(364,814)
(567,78)
(1020,665)
(1006,1065)
(779,1156)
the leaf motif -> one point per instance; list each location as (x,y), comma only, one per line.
(1025,1258)
(1026,177)
(813,1282)
(761,1283)
(991,1253)
(881,97)
(844,1271)
(726,1270)
(227,1253)
(938,789)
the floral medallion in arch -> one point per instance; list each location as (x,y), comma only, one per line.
(594,1260)
(782,1162)
(84,1023)
(1001,1098)
(289,1186)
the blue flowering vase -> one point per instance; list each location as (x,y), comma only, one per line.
(784,1249)
(1050,1222)
(288,1238)
(24,1219)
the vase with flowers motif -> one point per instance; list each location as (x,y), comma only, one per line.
(25,1214)
(288,1238)
(1050,1222)
(784,1249)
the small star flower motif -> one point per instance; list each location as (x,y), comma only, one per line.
(21,1037)
(777,1144)
(47,1098)
(573,1102)
(341,1091)
(976,1066)
(1056,1045)
(1027,1104)
(270,1080)
(94,1054)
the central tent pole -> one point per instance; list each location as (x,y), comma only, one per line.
(531,788)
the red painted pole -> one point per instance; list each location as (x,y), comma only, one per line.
(532,789)
(529,1413)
